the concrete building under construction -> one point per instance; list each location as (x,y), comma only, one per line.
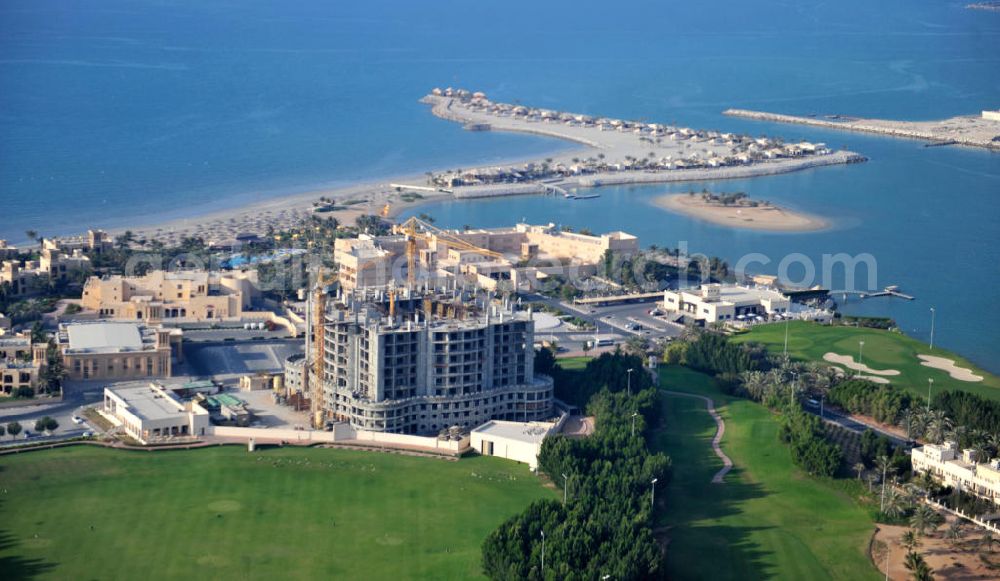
(422,362)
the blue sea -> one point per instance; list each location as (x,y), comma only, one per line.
(125,112)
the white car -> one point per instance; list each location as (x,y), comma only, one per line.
(77,420)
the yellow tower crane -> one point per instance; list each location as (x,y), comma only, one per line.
(417,229)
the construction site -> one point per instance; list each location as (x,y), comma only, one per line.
(422,361)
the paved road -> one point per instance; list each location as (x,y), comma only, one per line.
(855,425)
(617,318)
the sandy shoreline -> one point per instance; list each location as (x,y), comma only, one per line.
(765,218)
(372,196)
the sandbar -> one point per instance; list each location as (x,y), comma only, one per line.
(769,218)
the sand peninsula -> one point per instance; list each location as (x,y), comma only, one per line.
(973,130)
(612,152)
(736,210)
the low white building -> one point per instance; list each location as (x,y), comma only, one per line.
(519,441)
(962,473)
(150,413)
(723,303)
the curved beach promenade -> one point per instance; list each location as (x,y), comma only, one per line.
(720,431)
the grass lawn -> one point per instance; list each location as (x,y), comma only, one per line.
(882,350)
(574,363)
(224,513)
(769,520)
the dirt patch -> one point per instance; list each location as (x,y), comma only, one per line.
(953,560)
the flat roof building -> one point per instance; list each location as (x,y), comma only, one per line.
(713,303)
(519,441)
(106,350)
(150,413)
(161,296)
(963,473)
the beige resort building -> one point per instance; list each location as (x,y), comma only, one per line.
(518,256)
(21,363)
(59,259)
(160,296)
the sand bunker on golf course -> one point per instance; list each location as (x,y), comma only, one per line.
(949,367)
(850,363)
(871,378)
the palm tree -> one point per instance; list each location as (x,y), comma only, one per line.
(893,503)
(922,519)
(884,465)
(859,468)
(937,426)
(910,540)
(955,532)
(981,452)
(927,483)
(918,423)
(987,541)
(918,566)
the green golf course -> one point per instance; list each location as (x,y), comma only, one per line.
(223,513)
(769,520)
(882,350)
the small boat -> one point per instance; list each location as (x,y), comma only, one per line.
(585,196)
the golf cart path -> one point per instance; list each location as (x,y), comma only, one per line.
(720,431)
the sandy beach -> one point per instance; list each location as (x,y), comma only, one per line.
(283,212)
(383,198)
(767,218)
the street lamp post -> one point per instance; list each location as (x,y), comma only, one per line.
(861,350)
(652,493)
(786,338)
(932,328)
(930,384)
(629,383)
(565,487)
(634,414)
(543,553)
(822,398)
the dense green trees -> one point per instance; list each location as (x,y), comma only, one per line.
(969,410)
(882,402)
(609,370)
(804,433)
(606,526)
(713,353)
(46,424)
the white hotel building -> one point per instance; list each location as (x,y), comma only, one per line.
(965,474)
(713,303)
(150,413)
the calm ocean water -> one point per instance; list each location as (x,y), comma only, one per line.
(135,111)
